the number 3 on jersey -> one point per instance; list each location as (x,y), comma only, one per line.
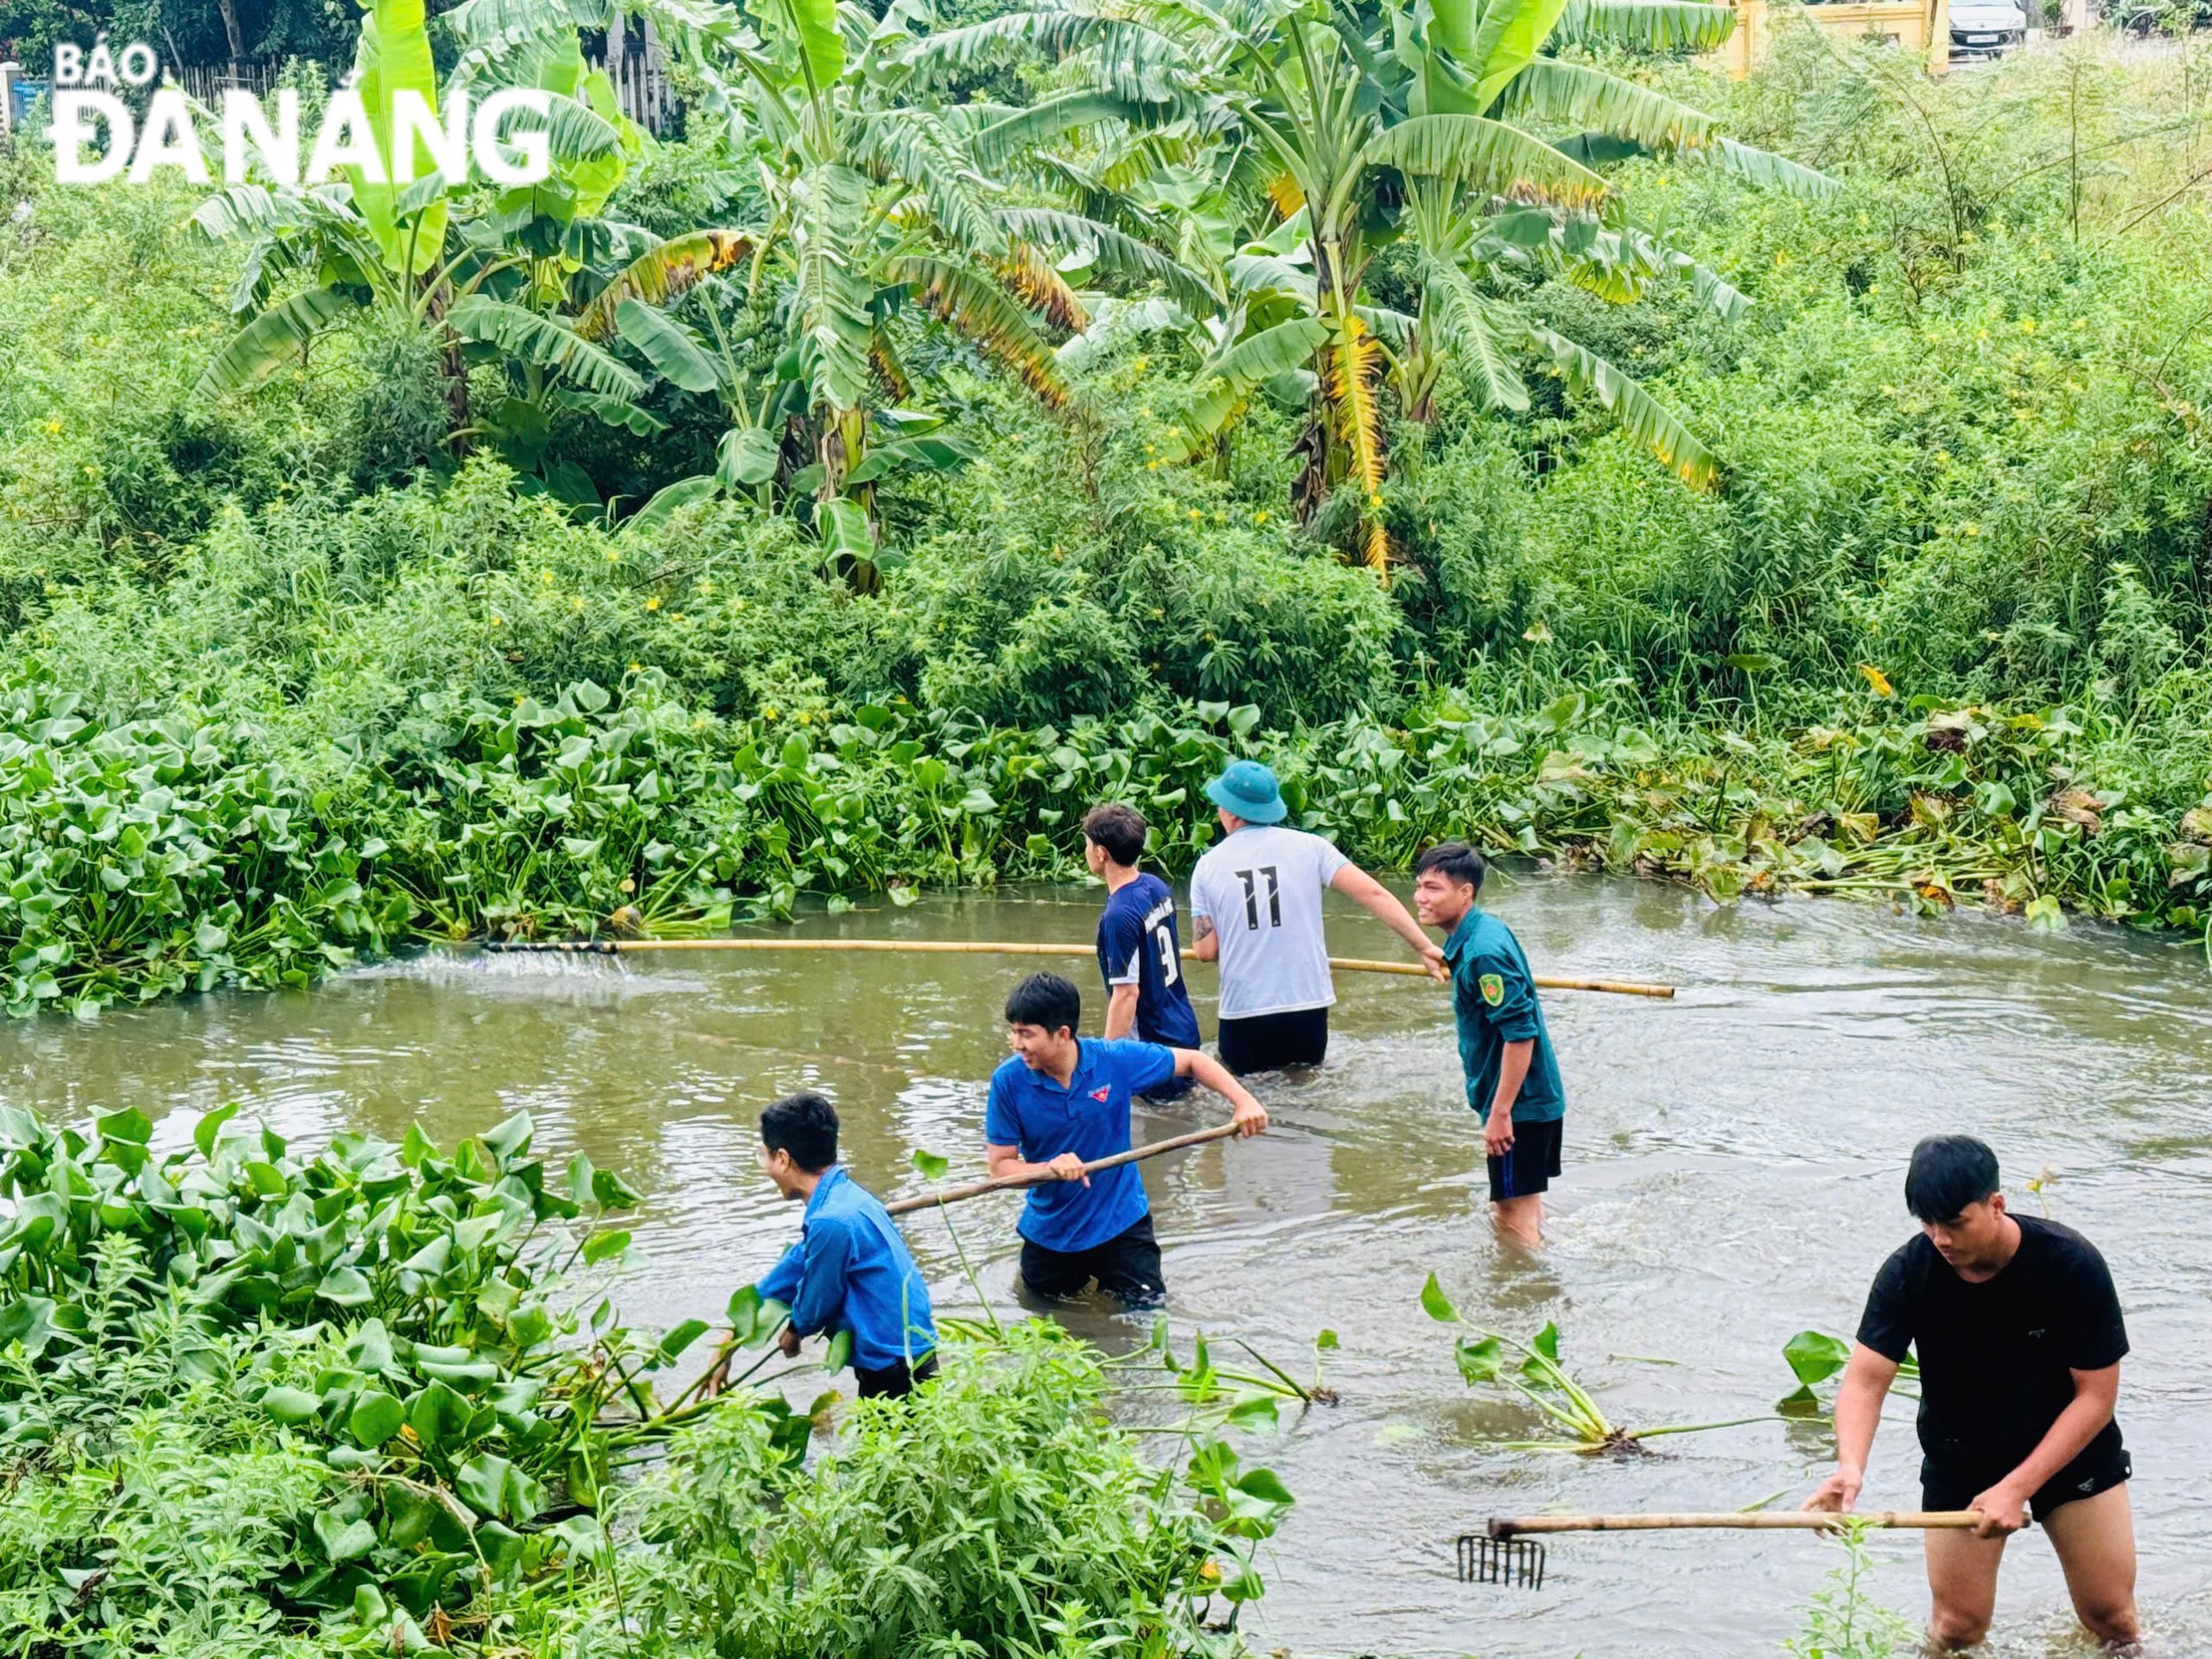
(1266,874)
(1171,966)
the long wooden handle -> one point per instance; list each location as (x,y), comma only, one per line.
(1762,1520)
(997,948)
(1019,1183)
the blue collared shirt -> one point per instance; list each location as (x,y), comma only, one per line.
(1493,999)
(1091,1118)
(850,1271)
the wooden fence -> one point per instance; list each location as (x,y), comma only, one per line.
(206,82)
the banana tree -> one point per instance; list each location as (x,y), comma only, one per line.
(1447,123)
(882,223)
(489,280)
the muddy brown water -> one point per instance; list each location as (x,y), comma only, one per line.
(1734,1167)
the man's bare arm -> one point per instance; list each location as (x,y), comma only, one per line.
(1357,884)
(1205,945)
(2004,1504)
(1121,1013)
(1250,1116)
(1006,1163)
(1858,1413)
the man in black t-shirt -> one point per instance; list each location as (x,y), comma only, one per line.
(2019,1336)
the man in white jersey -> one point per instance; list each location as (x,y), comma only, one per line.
(1255,898)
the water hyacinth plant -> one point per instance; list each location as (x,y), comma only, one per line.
(1813,1357)
(1531,1371)
(257,1404)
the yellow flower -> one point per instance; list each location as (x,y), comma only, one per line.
(53,426)
(1195,513)
(1981,334)
(636,668)
(576,603)
(768,712)
(1152,466)
(1260,516)
(613,557)
(1970,530)
(498,621)
(1149,450)
(2081,322)
(545,577)
(2027,325)
(676,616)
(652,604)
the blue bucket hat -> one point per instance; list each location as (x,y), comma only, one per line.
(1249,790)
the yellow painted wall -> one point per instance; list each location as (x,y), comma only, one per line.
(1918,26)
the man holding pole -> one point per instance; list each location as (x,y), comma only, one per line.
(850,1270)
(2020,1338)
(1256,901)
(1062,1101)
(1505,1053)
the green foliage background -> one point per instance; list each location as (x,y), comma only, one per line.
(287,677)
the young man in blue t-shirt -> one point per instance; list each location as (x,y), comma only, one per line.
(1062,1102)
(850,1270)
(1139,952)
(1505,1051)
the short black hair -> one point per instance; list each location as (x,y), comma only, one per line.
(1459,861)
(1120,829)
(1948,1173)
(805,1126)
(1045,999)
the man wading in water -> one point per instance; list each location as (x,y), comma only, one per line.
(1505,1051)
(850,1270)
(1255,900)
(1139,951)
(2020,1339)
(1062,1102)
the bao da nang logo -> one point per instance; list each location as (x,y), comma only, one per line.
(95,138)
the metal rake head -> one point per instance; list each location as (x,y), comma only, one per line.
(1485,1560)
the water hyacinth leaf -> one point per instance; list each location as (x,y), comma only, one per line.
(131,1125)
(1265,1484)
(344,1288)
(1479,1362)
(510,1137)
(210,1126)
(1814,1355)
(502,1549)
(931,1166)
(371,1348)
(375,1418)
(604,1247)
(1546,1341)
(839,1353)
(440,1415)
(1326,1341)
(291,1405)
(483,1482)
(344,1541)
(266,1180)
(672,1345)
(748,1315)
(610,1191)
(1436,1304)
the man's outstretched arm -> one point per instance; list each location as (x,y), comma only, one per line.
(1357,884)
(1858,1413)
(1250,1117)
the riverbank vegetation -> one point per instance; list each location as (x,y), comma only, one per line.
(1830,514)
(255,1402)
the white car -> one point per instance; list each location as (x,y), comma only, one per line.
(1982,28)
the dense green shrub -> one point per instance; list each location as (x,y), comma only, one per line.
(258,1404)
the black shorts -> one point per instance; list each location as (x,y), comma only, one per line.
(894,1381)
(1126,1268)
(1269,1042)
(1955,1483)
(1527,1168)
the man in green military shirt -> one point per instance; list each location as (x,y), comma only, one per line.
(1503,1048)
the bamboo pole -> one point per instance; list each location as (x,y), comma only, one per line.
(1000,948)
(1021,1183)
(1758,1520)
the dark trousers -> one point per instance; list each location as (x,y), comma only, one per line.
(1126,1268)
(1269,1042)
(894,1381)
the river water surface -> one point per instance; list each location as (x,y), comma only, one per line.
(1734,1167)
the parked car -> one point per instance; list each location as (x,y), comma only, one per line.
(1983,28)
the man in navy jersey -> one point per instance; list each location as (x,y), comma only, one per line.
(1139,951)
